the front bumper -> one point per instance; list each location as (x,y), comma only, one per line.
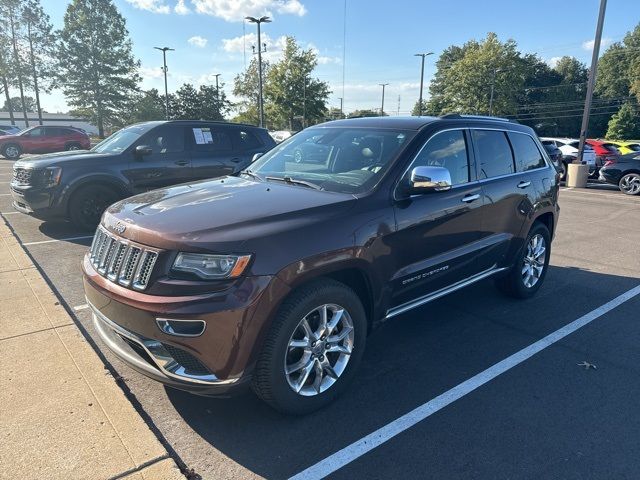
(39,202)
(216,362)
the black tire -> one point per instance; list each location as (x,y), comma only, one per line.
(88,203)
(563,172)
(9,149)
(269,379)
(73,146)
(513,283)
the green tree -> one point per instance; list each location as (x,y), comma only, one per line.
(415,111)
(213,102)
(625,124)
(617,67)
(40,44)
(363,113)
(187,103)
(245,87)
(142,107)
(97,69)
(294,99)
(335,113)
(16,104)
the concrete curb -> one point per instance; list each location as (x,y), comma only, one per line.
(62,414)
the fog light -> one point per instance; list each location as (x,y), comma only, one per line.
(181,328)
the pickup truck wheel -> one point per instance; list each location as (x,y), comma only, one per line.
(12,151)
(313,349)
(527,275)
(87,205)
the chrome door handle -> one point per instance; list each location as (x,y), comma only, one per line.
(524,184)
(471,198)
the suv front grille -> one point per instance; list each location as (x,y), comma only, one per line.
(121,261)
(22,176)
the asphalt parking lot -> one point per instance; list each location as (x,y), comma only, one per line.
(545,416)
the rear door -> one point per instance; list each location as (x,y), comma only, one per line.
(212,151)
(56,138)
(34,141)
(437,234)
(505,161)
(168,164)
(245,145)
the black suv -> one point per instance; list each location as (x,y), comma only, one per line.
(145,156)
(274,277)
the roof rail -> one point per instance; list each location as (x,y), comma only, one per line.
(479,117)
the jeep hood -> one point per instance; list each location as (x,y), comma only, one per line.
(222,213)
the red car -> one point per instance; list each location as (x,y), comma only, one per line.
(43,139)
(605,151)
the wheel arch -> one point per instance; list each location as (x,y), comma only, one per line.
(96,180)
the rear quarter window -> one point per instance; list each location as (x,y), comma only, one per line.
(526,152)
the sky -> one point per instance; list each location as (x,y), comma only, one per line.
(210,36)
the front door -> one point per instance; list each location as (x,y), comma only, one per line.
(34,141)
(168,164)
(438,234)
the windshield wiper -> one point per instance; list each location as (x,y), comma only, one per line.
(294,181)
(251,174)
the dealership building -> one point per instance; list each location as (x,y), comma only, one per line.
(57,119)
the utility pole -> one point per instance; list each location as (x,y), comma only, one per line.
(217,88)
(258,21)
(398,105)
(383,85)
(164,51)
(341,110)
(304,103)
(493,81)
(421,80)
(592,81)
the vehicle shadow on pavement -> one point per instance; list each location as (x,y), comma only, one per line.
(61,229)
(409,361)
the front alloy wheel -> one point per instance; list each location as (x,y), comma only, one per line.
(319,350)
(630,184)
(12,152)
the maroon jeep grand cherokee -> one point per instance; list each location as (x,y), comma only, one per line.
(274,278)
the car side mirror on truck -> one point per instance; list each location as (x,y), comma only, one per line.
(142,150)
(429,179)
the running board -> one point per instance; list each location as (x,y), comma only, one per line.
(392,312)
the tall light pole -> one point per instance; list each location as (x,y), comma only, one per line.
(382,107)
(421,79)
(258,21)
(341,110)
(493,81)
(217,88)
(164,51)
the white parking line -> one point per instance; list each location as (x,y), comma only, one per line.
(53,240)
(390,430)
(8,213)
(5,194)
(77,308)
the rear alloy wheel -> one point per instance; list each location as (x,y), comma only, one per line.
(87,205)
(630,184)
(313,349)
(73,146)
(12,151)
(528,272)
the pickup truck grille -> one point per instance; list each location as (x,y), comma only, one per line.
(22,176)
(122,261)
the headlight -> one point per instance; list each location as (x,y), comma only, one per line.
(51,176)
(211,267)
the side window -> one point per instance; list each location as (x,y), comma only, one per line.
(37,132)
(210,139)
(169,139)
(495,153)
(448,150)
(528,157)
(246,140)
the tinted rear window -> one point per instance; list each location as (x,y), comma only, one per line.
(495,153)
(528,157)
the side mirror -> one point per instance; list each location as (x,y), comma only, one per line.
(256,156)
(142,150)
(429,179)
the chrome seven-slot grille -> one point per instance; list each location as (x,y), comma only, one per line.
(120,261)
(22,176)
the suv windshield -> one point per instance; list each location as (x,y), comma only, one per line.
(346,160)
(117,142)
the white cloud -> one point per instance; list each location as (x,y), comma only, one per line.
(155,6)
(322,60)
(151,72)
(181,8)
(553,61)
(198,41)
(604,43)
(238,44)
(236,10)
